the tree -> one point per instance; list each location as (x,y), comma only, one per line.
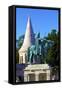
(19,43)
(52,36)
(53,53)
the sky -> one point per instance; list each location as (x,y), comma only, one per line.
(42,20)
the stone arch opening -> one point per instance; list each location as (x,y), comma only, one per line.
(42,76)
(31,77)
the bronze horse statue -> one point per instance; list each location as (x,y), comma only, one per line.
(38,51)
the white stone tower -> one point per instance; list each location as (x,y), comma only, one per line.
(29,40)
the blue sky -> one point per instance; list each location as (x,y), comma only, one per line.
(42,21)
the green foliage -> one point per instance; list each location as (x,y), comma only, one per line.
(19,44)
(53,53)
(52,36)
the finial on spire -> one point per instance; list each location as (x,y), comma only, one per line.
(29,17)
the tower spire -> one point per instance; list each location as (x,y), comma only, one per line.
(29,38)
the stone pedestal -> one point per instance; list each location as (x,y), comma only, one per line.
(37,72)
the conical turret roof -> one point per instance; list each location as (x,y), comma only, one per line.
(29,38)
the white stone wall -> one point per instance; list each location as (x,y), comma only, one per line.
(24,55)
(36,73)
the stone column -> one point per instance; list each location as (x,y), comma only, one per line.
(48,75)
(25,77)
(36,76)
